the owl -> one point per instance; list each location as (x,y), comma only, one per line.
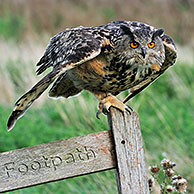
(104,60)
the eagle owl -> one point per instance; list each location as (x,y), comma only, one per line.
(104,60)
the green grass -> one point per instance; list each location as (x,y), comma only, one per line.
(11,26)
(166,114)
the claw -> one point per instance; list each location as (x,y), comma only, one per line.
(105,110)
(97,114)
(128,110)
(108,101)
(129,107)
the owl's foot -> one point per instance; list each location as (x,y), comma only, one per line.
(109,101)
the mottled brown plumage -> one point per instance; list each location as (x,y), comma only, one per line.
(104,60)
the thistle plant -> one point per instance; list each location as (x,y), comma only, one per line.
(167,178)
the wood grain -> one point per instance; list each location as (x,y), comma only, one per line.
(131,169)
(82,155)
(55,161)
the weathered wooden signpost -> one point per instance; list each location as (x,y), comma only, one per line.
(121,148)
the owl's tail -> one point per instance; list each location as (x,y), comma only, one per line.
(28,98)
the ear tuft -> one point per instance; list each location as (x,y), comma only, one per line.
(126,30)
(158,32)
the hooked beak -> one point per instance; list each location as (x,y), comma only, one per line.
(143,51)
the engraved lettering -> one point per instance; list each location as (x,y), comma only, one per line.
(23,168)
(47,160)
(90,153)
(9,167)
(79,154)
(70,158)
(56,161)
(36,166)
(28,166)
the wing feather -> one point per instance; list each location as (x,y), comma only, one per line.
(65,50)
(73,46)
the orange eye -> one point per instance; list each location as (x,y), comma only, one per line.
(134,45)
(151,45)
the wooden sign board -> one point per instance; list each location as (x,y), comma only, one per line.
(82,155)
(57,160)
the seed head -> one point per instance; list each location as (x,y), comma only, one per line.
(176,177)
(180,184)
(165,163)
(172,164)
(154,169)
(169,188)
(169,172)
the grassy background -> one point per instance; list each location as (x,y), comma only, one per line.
(165,108)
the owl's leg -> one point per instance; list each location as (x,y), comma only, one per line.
(106,101)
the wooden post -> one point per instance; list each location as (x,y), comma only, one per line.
(131,169)
(82,155)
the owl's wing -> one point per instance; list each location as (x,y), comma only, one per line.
(65,51)
(170,58)
(69,48)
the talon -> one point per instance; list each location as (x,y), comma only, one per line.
(97,114)
(105,110)
(128,110)
(129,107)
(107,101)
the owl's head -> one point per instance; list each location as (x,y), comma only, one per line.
(142,44)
